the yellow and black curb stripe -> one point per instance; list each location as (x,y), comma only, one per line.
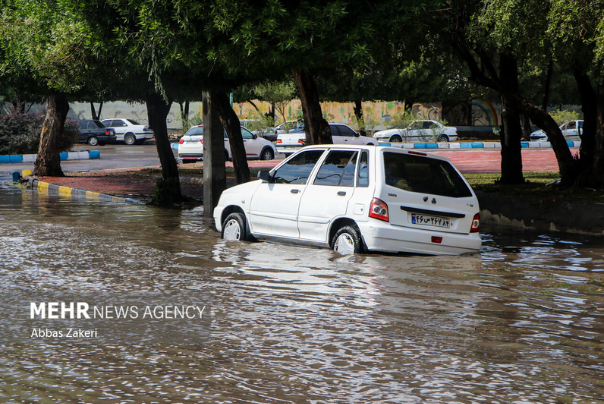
(47,188)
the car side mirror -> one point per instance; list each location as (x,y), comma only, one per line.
(254,136)
(264,176)
(356,134)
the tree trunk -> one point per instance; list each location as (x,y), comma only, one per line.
(316,127)
(214,173)
(548,80)
(184,114)
(598,167)
(48,161)
(157,112)
(526,126)
(358,112)
(511,150)
(93,113)
(232,126)
(589,106)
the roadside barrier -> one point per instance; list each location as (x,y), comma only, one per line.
(72,155)
(472,145)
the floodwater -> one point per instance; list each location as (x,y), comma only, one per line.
(521,322)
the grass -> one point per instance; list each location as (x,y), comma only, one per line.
(539,185)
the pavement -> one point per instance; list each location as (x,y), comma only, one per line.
(137,185)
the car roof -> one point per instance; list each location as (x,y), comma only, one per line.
(377,149)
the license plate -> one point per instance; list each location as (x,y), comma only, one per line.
(435,221)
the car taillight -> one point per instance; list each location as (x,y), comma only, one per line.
(475,224)
(279,141)
(108,132)
(378,209)
(201,140)
(301,140)
(181,141)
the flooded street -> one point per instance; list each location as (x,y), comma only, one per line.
(521,322)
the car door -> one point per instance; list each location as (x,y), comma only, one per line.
(84,131)
(571,132)
(252,147)
(348,135)
(414,131)
(274,205)
(327,197)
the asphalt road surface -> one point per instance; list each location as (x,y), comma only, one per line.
(122,156)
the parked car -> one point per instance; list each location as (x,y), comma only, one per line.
(572,131)
(355,198)
(190,146)
(286,127)
(129,131)
(418,131)
(340,133)
(94,132)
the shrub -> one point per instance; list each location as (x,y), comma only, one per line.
(564,116)
(20,133)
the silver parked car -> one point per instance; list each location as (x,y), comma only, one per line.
(418,131)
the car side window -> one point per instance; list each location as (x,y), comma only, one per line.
(572,125)
(335,131)
(346,131)
(416,125)
(83,125)
(337,169)
(581,124)
(246,134)
(297,169)
(363,172)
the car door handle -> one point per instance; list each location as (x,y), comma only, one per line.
(341,193)
(294,191)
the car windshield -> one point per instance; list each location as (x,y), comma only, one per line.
(424,175)
(195,131)
(133,122)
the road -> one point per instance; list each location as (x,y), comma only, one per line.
(122,156)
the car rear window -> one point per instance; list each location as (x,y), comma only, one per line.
(424,174)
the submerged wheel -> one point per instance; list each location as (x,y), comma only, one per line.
(129,139)
(234,227)
(396,139)
(93,141)
(267,154)
(347,240)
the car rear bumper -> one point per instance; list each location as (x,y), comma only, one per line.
(384,237)
(288,149)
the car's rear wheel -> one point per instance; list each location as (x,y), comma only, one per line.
(129,138)
(93,141)
(395,139)
(267,154)
(234,227)
(347,240)
(443,138)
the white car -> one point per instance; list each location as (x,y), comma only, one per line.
(572,131)
(355,198)
(418,131)
(190,146)
(340,134)
(129,131)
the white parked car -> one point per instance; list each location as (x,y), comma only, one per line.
(572,131)
(129,131)
(190,146)
(340,134)
(418,131)
(355,198)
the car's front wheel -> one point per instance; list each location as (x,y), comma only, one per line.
(347,240)
(129,139)
(267,154)
(93,141)
(234,227)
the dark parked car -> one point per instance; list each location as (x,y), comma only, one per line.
(94,132)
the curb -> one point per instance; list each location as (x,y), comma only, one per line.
(31,158)
(47,188)
(473,145)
